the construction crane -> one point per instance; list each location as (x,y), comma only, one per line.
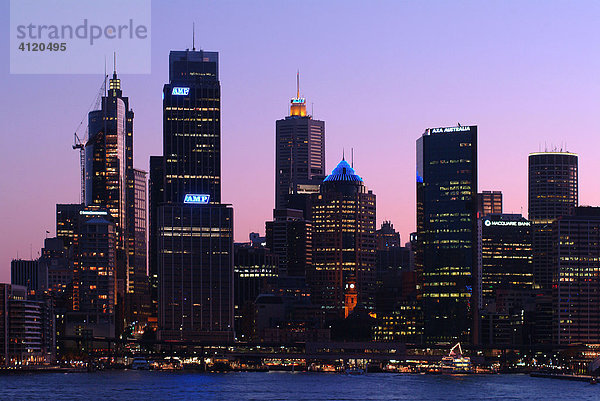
(79,141)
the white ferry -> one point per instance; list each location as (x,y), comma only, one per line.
(455,362)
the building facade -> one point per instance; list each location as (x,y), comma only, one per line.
(191,229)
(489,202)
(299,153)
(289,236)
(576,289)
(342,274)
(446,258)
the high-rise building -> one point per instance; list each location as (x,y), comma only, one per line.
(67,218)
(155,197)
(94,286)
(255,270)
(138,295)
(505,249)
(387,237)
(289,237)
(553,192)
(576,289)
(489,202)
(59,265)
(299,153)
(342,274)
(446,259)
(191,229)
(110,182)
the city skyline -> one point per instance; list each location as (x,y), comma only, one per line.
(360,111)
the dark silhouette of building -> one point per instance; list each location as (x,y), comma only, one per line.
(446,259)
(30,274)
(289,236)
(343,218)
(67,217)
(255,271)
(191,229)
(155,197)
(489,202)
(299,154)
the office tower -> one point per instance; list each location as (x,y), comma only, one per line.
(299,154)
(505,255)
(109,180)
(94,286)
(67,217)
(193,230)
(138,295)
(59,265)
(576,289)
(255,270)
(553,192)
(489,202)
(155,197)
(289,237)
(30,274)
(446,258)
(343,217)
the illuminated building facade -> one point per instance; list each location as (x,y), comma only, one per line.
(446,259)
(553,192)
(506,255)
(191,229)
(299,154)
(67,218)
(489,202)
(344,245)
(94,284)
(576,289)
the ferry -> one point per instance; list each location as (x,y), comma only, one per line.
(455,362)
(140,363)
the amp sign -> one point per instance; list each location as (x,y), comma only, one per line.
(180,91)
(197,199)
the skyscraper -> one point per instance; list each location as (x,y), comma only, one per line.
(553,192)
(446,259)
(192,230)
(299,153)
(342,275)
(289,237)
(110,182)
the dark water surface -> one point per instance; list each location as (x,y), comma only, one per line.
(135,385)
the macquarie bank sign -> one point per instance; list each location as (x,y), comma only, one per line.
(491,223)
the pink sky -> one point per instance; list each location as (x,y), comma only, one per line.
(377,73)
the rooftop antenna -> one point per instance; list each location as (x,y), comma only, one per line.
(298,84)
(352,165)
(193,36)
(312,109)
(343,154)
(115,63)
(105,75)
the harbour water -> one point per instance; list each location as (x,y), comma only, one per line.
(151,385)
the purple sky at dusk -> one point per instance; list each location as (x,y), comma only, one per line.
(378,73)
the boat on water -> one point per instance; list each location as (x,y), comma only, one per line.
(140,363)
(355,371)
(455,362)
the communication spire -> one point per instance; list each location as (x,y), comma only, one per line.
(298,84)
(193,36)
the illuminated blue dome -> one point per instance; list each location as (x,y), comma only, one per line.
(343,172)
